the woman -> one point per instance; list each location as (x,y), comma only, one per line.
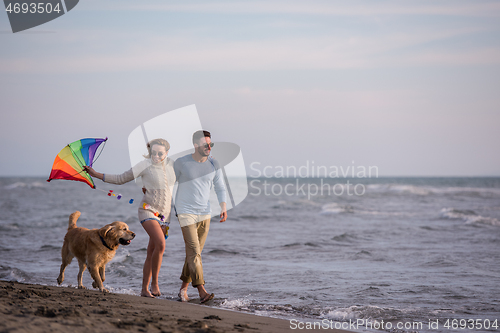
(158,177)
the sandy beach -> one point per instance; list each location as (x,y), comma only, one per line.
(37,308)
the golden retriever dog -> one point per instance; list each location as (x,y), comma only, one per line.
(93,248)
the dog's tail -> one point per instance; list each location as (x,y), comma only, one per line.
(72,220)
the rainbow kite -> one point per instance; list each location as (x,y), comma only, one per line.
(71,159)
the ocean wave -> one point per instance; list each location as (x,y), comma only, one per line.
(10,226)
(335,208)
(50,248)
(428,190)
(374,318)
(4,249)
(125,291)
(345,238)
(122,256)
(251,217)
(441,261)
(283,311)
(398,189)
(236,304)
(296,204)
(367,312)
(301,244)
(13,274)
(386,213)
(222,252)
(24,185)
(468,216)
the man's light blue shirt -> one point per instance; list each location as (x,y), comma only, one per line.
(195,180)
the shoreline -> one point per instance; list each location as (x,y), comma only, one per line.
(37,308)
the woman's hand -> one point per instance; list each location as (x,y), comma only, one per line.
(89,170)
(92,172)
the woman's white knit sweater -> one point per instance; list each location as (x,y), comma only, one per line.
(158,179)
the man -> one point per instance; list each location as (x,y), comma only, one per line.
(196,174)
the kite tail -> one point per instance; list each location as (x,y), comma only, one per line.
(72,220)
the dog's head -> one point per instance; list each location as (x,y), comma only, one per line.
(117,233)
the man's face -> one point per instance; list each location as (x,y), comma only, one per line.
(203,147)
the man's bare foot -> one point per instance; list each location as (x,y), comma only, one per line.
(183,296)
(207,297)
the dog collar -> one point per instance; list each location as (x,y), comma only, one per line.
(104,243)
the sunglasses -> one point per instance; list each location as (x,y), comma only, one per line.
(211,144)
(159,154)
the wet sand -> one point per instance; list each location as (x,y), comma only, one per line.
(36,308)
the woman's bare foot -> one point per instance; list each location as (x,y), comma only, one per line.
(147,294)
(155,290)
(156,294)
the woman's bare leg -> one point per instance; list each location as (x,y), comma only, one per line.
(154,257)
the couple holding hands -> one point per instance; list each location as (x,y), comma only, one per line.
(195,174)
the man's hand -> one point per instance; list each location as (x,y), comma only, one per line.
(223,213)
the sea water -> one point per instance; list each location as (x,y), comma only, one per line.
(408,253)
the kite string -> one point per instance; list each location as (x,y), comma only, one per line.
(82,162)
(94,159)
(76,157)
(144,205)
(102,148)
(110,193)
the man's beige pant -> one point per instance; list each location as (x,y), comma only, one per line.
(195,233)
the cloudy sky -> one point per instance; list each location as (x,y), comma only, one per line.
(411,87)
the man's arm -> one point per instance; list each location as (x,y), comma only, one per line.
(223,212)
(177,168)
(220,190)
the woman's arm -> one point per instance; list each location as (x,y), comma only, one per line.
(93,173)
(125,177)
